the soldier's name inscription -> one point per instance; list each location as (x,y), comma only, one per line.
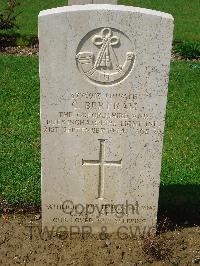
(100,113)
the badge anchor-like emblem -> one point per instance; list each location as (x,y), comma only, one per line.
(105,64)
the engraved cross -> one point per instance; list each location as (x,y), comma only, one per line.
(101,163)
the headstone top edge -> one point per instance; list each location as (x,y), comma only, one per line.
(93,7)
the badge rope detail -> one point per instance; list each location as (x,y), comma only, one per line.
(104,68)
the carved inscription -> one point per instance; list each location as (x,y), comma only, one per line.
(90,212)
(99,113)
(104,64)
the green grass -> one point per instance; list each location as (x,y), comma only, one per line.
(181,160)
(180,176)
(185,12)
(27,21)
(20,130)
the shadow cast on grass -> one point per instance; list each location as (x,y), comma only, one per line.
(180,203)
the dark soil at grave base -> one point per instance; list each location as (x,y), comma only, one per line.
(19,247)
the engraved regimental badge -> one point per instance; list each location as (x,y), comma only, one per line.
(105,56)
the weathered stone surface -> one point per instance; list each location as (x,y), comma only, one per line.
(85,2)
(79,2)
(104,76)
(113,2)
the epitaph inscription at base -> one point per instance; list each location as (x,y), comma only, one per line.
(104,76)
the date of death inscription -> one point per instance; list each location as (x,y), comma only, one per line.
(102,113)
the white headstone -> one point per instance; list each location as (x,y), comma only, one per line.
(86,2)
(104,77)
(113,2)
(79,2)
